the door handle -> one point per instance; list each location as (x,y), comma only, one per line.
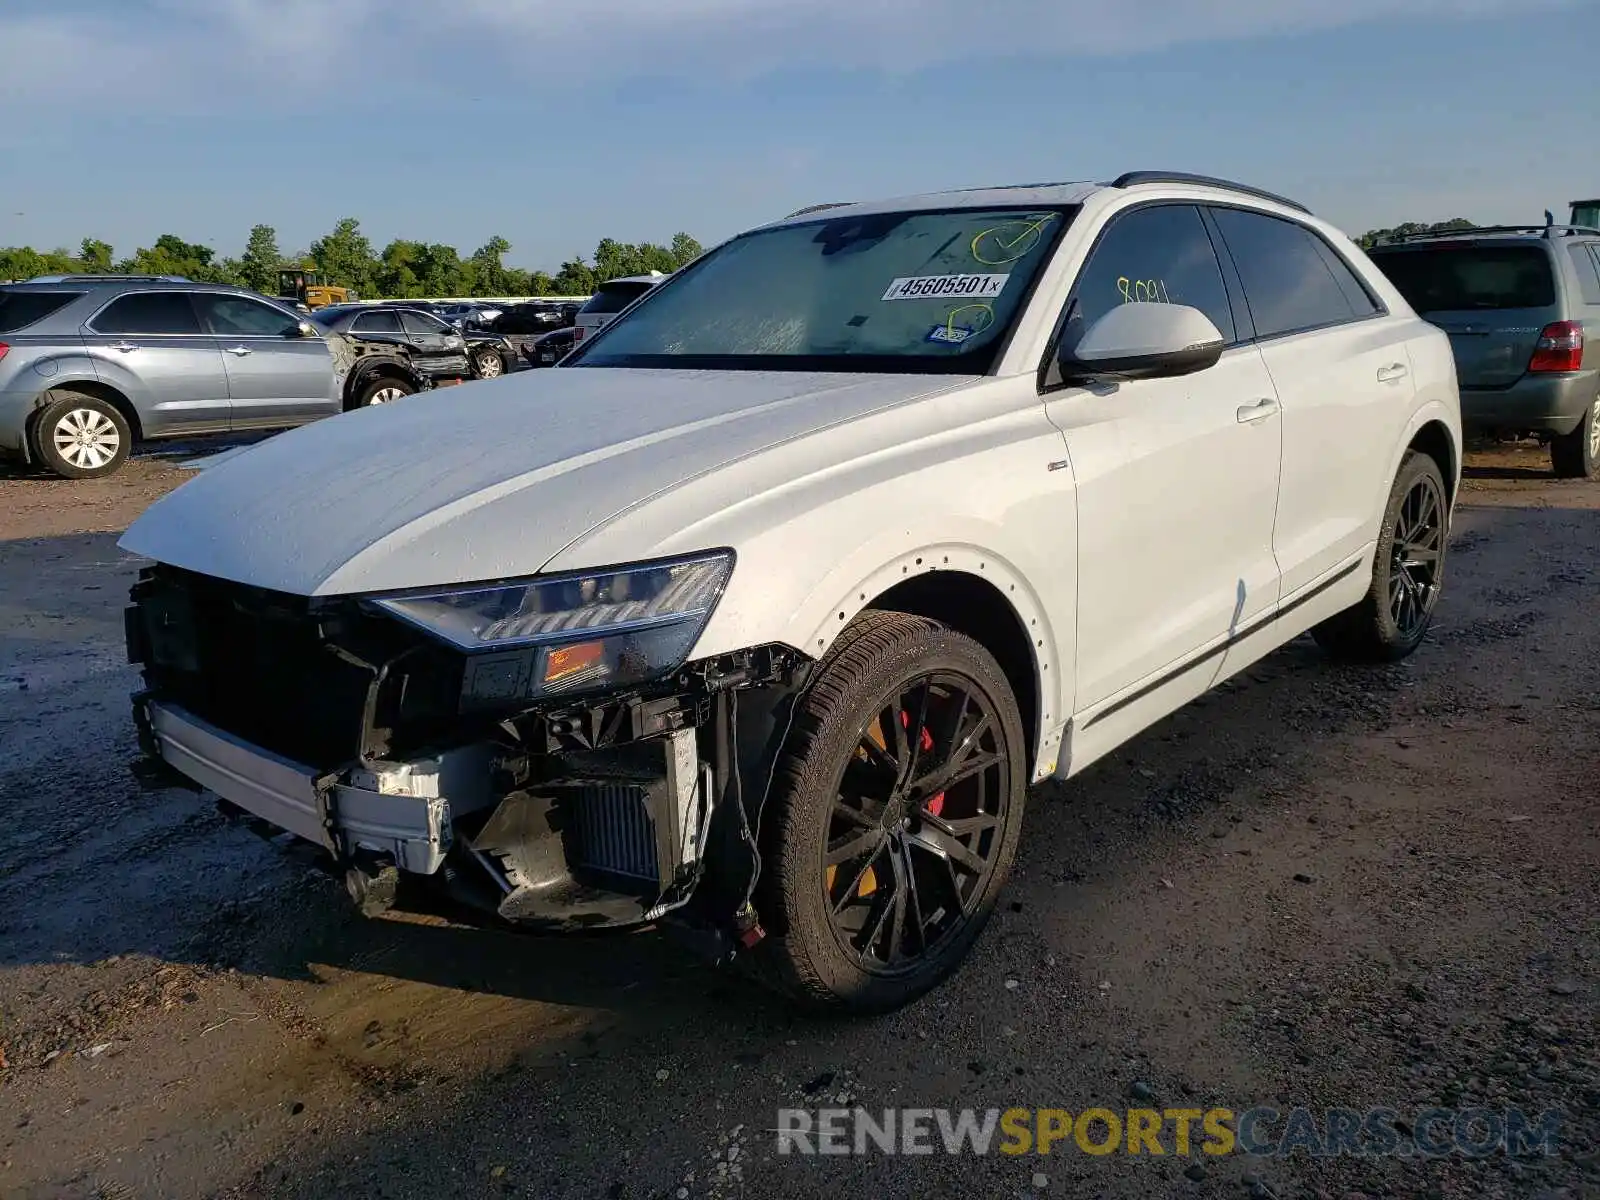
(124,347)
(241,351)
(1391,373)
(1249,414)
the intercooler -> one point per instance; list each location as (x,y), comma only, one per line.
(603,842)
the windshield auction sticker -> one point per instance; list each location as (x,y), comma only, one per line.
(944,287)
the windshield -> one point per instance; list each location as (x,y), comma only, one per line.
(1446,278)
(900,291)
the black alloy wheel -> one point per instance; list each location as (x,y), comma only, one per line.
(895,814)
(914,833)
(1391,619)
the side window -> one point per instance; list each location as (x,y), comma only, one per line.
(148,312)
(239,316)
(1159,255)
(416,322)
(377,322)
(1362,302)
(1288,282)
(1583,261)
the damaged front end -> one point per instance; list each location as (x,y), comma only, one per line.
(530,750)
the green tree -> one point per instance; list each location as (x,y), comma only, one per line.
(486,271)
(576,278)
(262,259)
(685,250)
(345,256)
(96,256)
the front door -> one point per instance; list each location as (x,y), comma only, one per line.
(276,377)
(1177,479)
(150,347)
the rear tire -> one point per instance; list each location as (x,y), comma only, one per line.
(1576,455)
(895,814)
(488,365)
(1390,621)
(383,390)
(79,436)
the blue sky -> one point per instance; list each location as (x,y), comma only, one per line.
(557,122)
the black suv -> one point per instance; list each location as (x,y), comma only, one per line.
(1520,304)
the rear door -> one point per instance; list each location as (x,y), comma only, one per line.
(1493,299)
(276,377)
(150,346)
(1342,371)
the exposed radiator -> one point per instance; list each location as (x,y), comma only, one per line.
(616,832)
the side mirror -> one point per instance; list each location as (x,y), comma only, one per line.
(1143,341)
(306,330)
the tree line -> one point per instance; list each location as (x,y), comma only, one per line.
(402,270)
(1372,237)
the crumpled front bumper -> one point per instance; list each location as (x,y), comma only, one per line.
(406,813)
(614,839)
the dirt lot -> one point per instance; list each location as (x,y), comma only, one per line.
(1318,886)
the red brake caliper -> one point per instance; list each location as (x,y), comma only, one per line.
(925,742)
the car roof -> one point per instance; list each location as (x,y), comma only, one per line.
(1043,195)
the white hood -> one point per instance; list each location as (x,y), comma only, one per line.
(484,481)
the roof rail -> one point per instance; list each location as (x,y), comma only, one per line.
(1134,178)
(1491,231)
(811,208)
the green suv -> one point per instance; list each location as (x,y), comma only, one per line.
(1520,304)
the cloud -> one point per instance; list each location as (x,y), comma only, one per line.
(209,55)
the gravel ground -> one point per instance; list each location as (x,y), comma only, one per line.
(1317,887)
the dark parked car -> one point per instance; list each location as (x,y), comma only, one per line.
(438,351)
(548,349)
(524,320)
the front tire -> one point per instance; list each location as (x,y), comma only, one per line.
(488,365)
(894,818)
(79,436)
(1390,621)
(1576,455)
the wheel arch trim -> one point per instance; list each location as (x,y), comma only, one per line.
(972,563)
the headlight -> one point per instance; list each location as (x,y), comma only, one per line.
(560,634)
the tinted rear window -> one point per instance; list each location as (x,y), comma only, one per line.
(1444,278)
(614,297)
(18,310)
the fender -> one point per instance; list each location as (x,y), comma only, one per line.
(853,586)
(1438,411)
(63,370)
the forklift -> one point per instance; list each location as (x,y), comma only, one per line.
(312,289)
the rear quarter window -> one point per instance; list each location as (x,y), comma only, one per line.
(1455,278)
(18,309)
(1584,263)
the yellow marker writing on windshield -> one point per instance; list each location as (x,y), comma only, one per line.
(1012,240)
(982,310)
